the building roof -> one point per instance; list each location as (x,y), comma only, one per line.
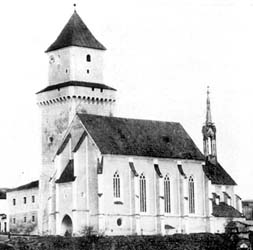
(75,33)
(122,136)
(33,184)
(67,174)
(224,210)
(76,83)
(3,193)
(217,174)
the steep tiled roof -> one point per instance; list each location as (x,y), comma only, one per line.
(224,210)
(76,83)
(75,33)
(3,193)
(33,184)
(123,136)
(67,174)
(217,174)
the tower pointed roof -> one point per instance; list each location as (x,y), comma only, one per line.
(208,108)
(75,33)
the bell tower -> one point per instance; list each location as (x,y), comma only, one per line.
(75,84)
(209,133)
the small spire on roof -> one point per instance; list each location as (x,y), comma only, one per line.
(208,107)
(74,6)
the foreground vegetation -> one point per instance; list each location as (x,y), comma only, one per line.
(204,241)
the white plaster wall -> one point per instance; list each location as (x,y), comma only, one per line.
(65,204)
(194,169)
(19,195)
(148,220)
(230,190)
(21,210)
(79,65)
(58,66)
(70,64)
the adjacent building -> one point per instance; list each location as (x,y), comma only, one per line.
(247,206)
(23,205)
(3,211)
(118,175)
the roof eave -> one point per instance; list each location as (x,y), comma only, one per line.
(52,48)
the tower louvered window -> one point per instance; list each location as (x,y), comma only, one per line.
(116,185)
(191,196)
(167,204)
(143,195)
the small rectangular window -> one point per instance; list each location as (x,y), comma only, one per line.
(33,199)
(14,202)
(24,219)
(33,218)
(24,200)
(14,220)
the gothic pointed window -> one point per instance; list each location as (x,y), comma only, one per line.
(116,185)
(143,194)
(167,204)
(191,196)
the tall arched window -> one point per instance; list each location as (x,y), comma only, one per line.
(191,196)
(88,58)
(167,205)
(116,185)
(143,195)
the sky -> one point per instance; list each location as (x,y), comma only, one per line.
(161,55)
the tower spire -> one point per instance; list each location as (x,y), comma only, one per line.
(208,107)
(209,133)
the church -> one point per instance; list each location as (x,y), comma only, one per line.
(120,176)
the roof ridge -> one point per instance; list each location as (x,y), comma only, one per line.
(129,118)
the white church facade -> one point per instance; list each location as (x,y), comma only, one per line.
(118,175)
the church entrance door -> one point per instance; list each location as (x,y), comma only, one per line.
(66,226)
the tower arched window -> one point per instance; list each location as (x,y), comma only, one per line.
(167,203)
(88,58)
(191,196)
(143,194)
(116,185)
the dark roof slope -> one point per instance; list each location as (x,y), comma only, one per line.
(3,193)
(75,33)
(67,174)
(217,174)
(33,184)
(76,83)
(123,136)
(224,210)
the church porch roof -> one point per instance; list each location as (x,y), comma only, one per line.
(224,210)
(67,174)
